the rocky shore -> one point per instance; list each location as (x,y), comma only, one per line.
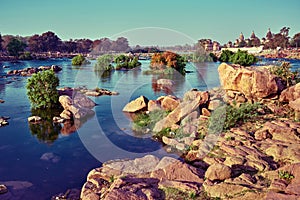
(240,141)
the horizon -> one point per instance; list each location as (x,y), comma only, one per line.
(148,24)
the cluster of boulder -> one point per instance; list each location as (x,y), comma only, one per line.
(257,160)
(33,70)
(4,121)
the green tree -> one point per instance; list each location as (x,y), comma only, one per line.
(225,55)
(78,60)
(15,46)
(41,89)
(126,62)
(243,58)
(104,63)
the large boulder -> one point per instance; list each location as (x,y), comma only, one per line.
(218,171)
(136,105)
(254,83)
(169,103)
(290,94)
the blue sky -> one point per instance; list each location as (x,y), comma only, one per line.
(220,20)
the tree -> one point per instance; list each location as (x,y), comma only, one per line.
(1,40)
(243,58)
(126,62)
(15,46)
(78,60)
(35,43)
(225,55)
(41,89)
(296,40)
(50,41)
(104,63)
(83,45)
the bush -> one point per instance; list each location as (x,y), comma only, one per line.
(243,58)
(126,62)
(284,73)
(26,56)
(227,116)
(78,60)
(104,63)
(161,61)
(225,55)
(41,89)
(240,57)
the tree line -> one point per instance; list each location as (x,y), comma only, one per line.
(50,42)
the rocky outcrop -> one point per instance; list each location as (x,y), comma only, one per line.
(80,106)
(136,105)
(253,83)
(290,94)
(32,70)
(141,178)
(34,119)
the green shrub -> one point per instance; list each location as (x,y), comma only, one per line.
(126,62)
(243,58)
(41,89)
(240,57)
(227,116)
(26,56)
(284,73)
(225,55)
(78,60)
(285,175)
(104,63)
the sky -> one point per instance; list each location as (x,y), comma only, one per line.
(151,22)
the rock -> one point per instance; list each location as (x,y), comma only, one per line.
(3,189)
(79,112)
(66,114)
(58,120)
(2,101)
(218,172)
(34,119)
(171,169)
(205,112)
(165,82)
(65,101)
(136,105)
(92,93)
(134,188)
(275,196)
(153,105)
(169,103)
(182,110)
(214,104)
(193,94)
(254,83)
(82,101)
(233,160)
(287,153)
(50,157)
(224,190)
(169,141)
(70,194)
(290,94)
(3,121)
(55,68)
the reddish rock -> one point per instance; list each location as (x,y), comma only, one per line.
(254,83)
(154,105)
(169,103)
(218,171)
(290,94)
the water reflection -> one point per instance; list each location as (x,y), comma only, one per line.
(178,83)
(46,131)
(104,76)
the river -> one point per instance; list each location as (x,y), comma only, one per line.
(48,159)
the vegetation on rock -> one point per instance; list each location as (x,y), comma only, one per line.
(284,72)
(126,62)
(78,60)
(240,57)
(167,59)
(41,89)
(104,63)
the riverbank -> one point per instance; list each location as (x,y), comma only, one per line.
(255,154)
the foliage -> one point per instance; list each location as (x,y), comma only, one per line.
(78,60)
(243,58)
(225,55)
(284,73)
(280,39)
(285,175)
(126,62)
(174,193)
(41,89)
(143,121)
(15,46)
(104,63)
(26,56)
(296,40)
(213,57)
(227,116)
(1,40)
(240,57)
(167,59)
